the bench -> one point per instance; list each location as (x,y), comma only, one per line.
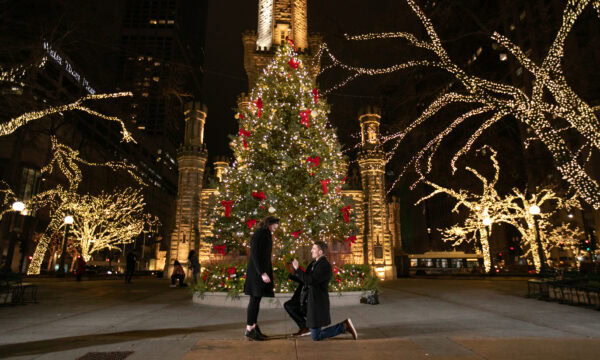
(14,291)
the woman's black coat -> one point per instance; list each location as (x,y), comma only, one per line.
(317,281)
(261,247)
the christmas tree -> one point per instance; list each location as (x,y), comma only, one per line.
(288,164)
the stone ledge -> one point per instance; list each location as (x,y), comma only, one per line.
(347,298)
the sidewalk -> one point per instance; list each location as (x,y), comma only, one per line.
(417,319)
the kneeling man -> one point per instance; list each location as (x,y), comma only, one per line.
(317,301)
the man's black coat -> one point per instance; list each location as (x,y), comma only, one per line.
(317,281)
(261,247)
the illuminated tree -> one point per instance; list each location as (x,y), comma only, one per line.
(61,201)
(288,164)
(107,220)
(483,210)
(544,107)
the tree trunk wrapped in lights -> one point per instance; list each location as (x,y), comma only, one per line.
(497,101)
(288,164)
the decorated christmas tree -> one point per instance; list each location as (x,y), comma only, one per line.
(288,164)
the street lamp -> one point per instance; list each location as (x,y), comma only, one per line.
(61,269)
(18,206)
(534,210)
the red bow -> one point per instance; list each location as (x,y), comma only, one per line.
(351,240)
(315,161)
(293,64)
(338,189)
(336,270)
(324,184)
(245,134)
(297,233)
(220,249)
(346,213)
(242,117)
(305,116)
(260,196)
(227,205)
(250,223)
(231,271)
(316,94)
(291,42)
(344,180)
(259,105)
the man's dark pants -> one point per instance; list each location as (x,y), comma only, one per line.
(296,311)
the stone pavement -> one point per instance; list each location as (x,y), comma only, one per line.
(417,319)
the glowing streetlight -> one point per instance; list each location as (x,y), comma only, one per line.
(535,211)
(61,270)
(18,206)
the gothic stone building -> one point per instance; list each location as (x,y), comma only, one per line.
(378,240)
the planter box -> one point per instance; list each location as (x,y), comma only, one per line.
(221,299)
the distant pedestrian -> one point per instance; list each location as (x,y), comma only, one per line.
(131,260)
(194,265)
(178,274)
(80,268)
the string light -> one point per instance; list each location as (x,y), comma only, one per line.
(512,209)
(13,124)
(85,208)
(503,100)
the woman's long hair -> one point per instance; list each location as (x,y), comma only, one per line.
(268,221)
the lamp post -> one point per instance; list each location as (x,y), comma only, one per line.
(534,210)
(17,207)
(487,222)
(61,269)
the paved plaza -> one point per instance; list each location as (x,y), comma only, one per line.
(417,319)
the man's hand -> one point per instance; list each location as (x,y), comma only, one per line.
(289,268)
(265,278)
(295,264)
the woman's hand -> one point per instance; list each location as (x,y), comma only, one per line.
(295,264)
(265,278)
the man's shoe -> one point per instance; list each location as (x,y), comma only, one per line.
(260,332)
(349,327)
(253,335)
(302,332)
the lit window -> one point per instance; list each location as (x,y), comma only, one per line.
(153,22)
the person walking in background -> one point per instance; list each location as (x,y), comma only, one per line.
(80,268)
(317,303)
(131,260)
(259,274)
(178,274)
(194,265)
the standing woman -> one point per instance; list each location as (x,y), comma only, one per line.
(259,274)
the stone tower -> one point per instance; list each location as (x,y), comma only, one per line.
(191,160)
(278,20)
(378,247)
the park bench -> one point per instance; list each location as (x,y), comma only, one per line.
(14,291)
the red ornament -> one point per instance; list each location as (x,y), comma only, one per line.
(297,233)
(351,240)
(251,223)
(245,143)
(344,180)
(260,196)
(262,207)
(346,213)
(336,270)
(231,271)
(301,268)
(293,64)
(227,205)
(259,105)
(220,249)
(314,161)
(291,42)
(305,116)
(244,134)
(315,92)
(324,184)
